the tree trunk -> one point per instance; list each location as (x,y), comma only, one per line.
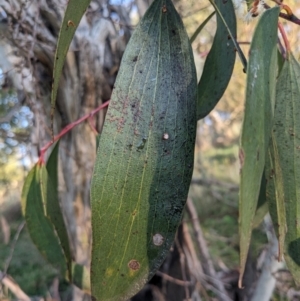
(30,30)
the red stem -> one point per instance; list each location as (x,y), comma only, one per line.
(284,37)
(70,127)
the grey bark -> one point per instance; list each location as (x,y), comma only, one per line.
(267,279)
(29,31)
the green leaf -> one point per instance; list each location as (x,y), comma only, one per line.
(39,226)
(260,98)
(74,12)
(275,194)
(97,141)
(81,277)
(201,26)
(280,61)
(53,208)
(262,205)
(286,132)
(145,158)
(219,62)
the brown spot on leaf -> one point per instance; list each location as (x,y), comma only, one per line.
(164,9)
(134,265)
(71,23)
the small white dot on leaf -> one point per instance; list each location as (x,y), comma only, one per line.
(158,239)
(165,136)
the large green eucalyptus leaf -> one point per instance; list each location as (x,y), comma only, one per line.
(219,63)
(260,98)
(286,132)
(53,209)
(145,157)
(38,224)
(74,12)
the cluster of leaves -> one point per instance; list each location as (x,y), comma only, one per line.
(145,155)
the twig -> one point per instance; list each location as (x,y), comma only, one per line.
(12,249)
(182,265)
(281,48)
(13,287)
(208,267)
(285,39)
(243,43)
(289,17)
(210,182)
(174,280)
(70,127)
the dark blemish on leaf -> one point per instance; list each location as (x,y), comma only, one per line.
(135,59)
(173,32)
(134,265)
(134,213)
(122,275)
(141,71)
(229,37)
(164,9)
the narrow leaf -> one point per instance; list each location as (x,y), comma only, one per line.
(81,277)
(74,12)
(262,205)
(286,132)
(219,62)
(50,190)
(145,158)
(39,226)
(260,98)
(200,27)
(232,36)
(275,194)
(97,141)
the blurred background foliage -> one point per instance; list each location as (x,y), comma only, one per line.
(214,187)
